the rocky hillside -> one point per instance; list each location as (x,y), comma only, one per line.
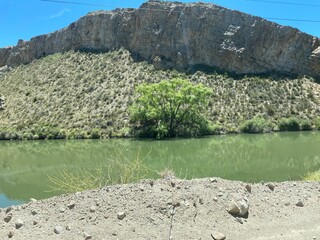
(78,94)
(182,36)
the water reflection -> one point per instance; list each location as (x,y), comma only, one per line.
(25,166)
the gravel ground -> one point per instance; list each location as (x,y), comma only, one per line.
(172,209)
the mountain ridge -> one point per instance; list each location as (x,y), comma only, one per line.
(173,35)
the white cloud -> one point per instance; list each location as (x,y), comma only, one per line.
(59,14)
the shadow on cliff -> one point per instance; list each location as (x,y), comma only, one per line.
(167,64)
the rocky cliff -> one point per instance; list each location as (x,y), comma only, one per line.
(182,36)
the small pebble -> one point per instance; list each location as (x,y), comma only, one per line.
(8,217)
(299,204)
(62,209)
(248,188)
(58,229)
(9,209)
(71,205)
(271,186)
(19,223)
(87,236)
(121,215)
(93,209)
(33,200)
(213,180)
(10,234)
(218,236)
(34,212)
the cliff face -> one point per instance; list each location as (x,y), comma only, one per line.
(177,35)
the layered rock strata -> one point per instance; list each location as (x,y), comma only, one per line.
(182,36)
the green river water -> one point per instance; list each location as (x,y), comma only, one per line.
(26,165)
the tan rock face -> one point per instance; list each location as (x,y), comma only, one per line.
(182,36)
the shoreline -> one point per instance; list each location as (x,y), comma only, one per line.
(171,209)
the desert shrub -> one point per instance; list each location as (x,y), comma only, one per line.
(317,123)
(312,176)
(95,133)
(256,125)
(306,125)
(215,129)
(170,108)
(289,124)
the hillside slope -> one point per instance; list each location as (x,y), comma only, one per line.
(87,95)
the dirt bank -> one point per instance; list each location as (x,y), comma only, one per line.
(172,209)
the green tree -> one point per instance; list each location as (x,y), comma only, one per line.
(169,109)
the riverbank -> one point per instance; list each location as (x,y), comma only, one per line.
(172,209)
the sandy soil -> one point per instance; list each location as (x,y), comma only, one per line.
(171,209)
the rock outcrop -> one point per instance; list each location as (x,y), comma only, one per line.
(182,36)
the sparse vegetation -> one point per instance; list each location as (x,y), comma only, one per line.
(79,181)
(313,176)
(86,95)
(118,170)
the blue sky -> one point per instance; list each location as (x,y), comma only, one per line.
(25,19)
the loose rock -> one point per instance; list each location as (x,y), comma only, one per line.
(121,215)
(34,212)
(218,236)
(299,204)
(239,208)
(213,180)
(71,205)
(271,186)
(87,236)
(10,234)
(93,209)
(9,209)
(8,217)
(58,229)
(248,188)
(19,223)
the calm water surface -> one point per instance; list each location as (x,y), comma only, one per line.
(25,166)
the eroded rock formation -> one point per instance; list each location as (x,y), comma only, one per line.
(178,35)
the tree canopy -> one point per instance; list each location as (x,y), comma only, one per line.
(170,108)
